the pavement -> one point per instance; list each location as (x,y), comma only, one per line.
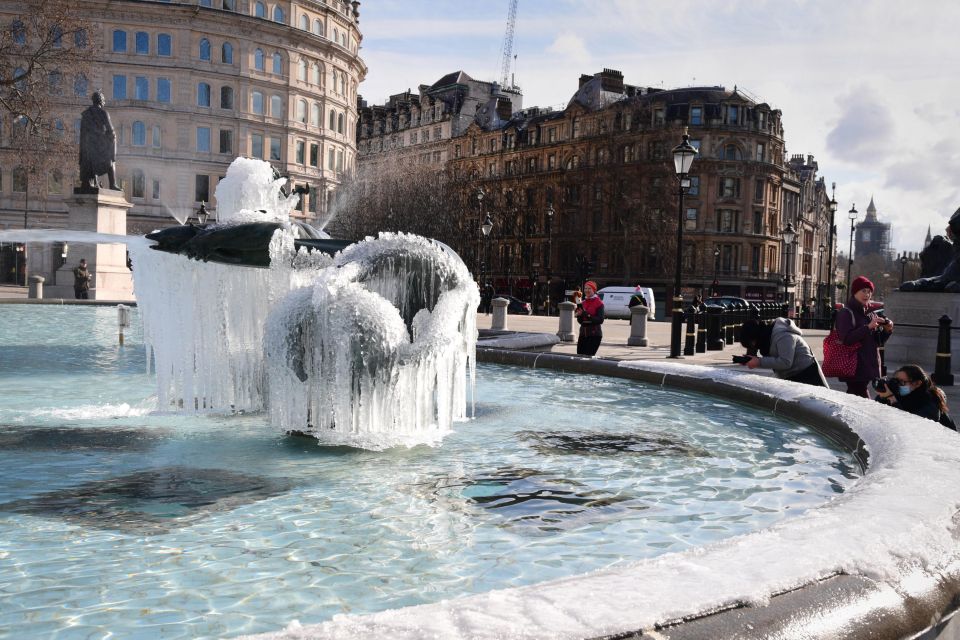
(616,332)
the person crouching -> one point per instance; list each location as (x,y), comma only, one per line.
(783,349)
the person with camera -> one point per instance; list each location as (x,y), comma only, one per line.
(857,325)
(912,390)
(782,348)
(589,314)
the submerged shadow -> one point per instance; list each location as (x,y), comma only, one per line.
(65,439)
(604,443)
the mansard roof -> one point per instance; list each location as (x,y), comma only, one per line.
(457,77)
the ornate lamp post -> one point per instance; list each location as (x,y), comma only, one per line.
(853,213)
(485,228)
(821,284)
(480,238)
(716,268)
(903,266)
(683,155)
(789,235)
(833,247)
(549,260)
(202,213)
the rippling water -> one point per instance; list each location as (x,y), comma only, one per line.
(113,518)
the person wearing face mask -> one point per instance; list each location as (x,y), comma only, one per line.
(857,325)
(916,393)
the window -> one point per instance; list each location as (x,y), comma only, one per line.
(226,97)
(331,158)
(317,74)
(226,53)
(727,220)
(755,260)
(758,222)
(276,107)
(552,134)
(691,218)
(302,111)
(257,105)
(260,10)
(694,189)
(119,87)
(758,191)
(119,41)
(80,39)
(164,44)
(201,192)
(19,180)
(333,120)
(203,95)
(339,123)
(761,148)
(729,188)
(163,90)
(315,114)
(302,70)
(203,139)
(256,145)
(696,144)
(142,42)
(206,3)
(314,154)
(318,27)
(156,189)
(733,113)
(258,60)
(696,115)
(141,88)
(226,141)
(80,85)
(278,63)
(205,49)
(278,14)
(658,117)
(156,137)
(139,134)
(138,184)
(230,5)
(552,161)
(301,150)
(437,133)
(732,152)
(274,148)
(305,23)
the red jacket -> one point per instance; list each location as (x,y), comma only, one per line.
(591,318)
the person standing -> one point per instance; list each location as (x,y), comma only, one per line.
(589,314)
(857,325)
(81,281)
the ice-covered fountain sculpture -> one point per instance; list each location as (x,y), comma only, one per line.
(371,347)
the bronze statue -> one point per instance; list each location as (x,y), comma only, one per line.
(98,147)
(949,279)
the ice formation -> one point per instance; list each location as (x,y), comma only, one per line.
(373,348)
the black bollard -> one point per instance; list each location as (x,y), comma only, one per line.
(728,324)
(714,329)
(941,372)
(688,346)
(701,331)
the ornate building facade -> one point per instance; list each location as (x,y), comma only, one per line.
(190,86)
(872,236)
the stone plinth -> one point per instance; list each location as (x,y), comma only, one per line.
(909,345)
(103,212)
(638,326)
(565,316)
(499,322)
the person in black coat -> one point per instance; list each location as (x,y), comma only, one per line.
(917,394)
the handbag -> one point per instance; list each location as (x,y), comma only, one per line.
(839,359)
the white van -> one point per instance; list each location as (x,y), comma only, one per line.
(617,299)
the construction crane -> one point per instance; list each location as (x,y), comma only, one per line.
(507,55)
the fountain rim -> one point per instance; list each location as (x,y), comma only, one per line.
(839,601)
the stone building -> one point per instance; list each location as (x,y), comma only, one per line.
(872,236)
(591,191)
(190,86)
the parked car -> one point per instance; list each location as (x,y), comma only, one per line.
(516,305)
(727,302)
(616,300)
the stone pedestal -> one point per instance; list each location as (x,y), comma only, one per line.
(36,287)
(565,330)
(909,345)
(499,322)
(103,212)
(638,326)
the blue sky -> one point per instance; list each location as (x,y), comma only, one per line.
(870,88)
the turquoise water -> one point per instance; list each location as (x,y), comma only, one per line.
(115,519)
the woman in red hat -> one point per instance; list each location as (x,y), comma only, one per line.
(856,324)
(589,314)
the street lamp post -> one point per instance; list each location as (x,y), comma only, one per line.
(833,234)
(482,236)
(853,213)
(549,260)
(486,227)
(716,268)
(683,155)
(903,267)
(789,235)
(821,284)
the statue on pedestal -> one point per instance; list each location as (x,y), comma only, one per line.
(98,147)
(949,279)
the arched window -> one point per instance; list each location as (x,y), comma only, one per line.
(278,14)
(204,49)
(316,115)
(226,97)
(317,74)
(139,134)
(156,137)
(317,27)
(334,74)
(276,107)
(336,35)
(80,85)
(731,152)
(302,70)
(226,53)
(256,99)
(333,120)
(343,83)
(203,95)
(340,123)
(277,63)
(302,111)
(260,10)
(258,60)
(305,22)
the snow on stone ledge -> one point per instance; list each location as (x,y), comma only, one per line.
(893,526)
